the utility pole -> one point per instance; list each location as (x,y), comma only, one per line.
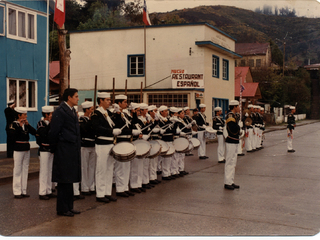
(64,57)
(284,57)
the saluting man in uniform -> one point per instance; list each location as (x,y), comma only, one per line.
(202,124)
(218,124)
(46,157)
(10,117)
(290,128)
(232,131)
(19,131)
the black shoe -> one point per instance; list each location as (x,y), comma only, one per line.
(222,161)
(184,172)
(181,174)
(110,198)
(18,196)
(136,190)
(66,214)
(153,182)
(93,192)
(203,157)
(102,199)
(129,193)
(166,178)
(241,154)
(44,197)
(159,172)
(230,187)
(122,194)
(142,189)
(78,197)
(25,195)
(151,185)
(75,211)
(158,181)
(86,193)
(146,186)
(51,195)
(292,150)
(250,151)
(235,186)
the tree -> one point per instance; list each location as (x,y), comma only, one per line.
(132,11)
(276,54)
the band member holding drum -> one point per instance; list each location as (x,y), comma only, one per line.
(263,125)
(232,131)
(201,123)
(88,150)
(290,128)
(45,157)
(188,119)
(122,169)
(218,124)
(19,131)
(249,128)
(104,130)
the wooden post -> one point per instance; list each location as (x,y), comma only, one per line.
(113,97)
(141,92)
(95,92)
(126,87)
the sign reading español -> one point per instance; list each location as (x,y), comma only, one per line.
(182,79)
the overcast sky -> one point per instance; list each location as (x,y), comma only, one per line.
(307,8)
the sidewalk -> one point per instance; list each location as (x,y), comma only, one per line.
(6,164)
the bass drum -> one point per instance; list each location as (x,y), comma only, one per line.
(181,145)
(123,151)
(171,150)
(142,148)
(195,143)
(155,149)
(164,147)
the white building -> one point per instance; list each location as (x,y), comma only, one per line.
(180,65)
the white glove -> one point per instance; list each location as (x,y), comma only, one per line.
(220,128)
(145,137)
(182,134)
(193,122)
(241,134)
(247,115)
(189,126)
(149,118)
(204,126)
(162,131)
(240,124)
(136,132)
(178,131)
(194,133)
(173,119)
(116,131)
(156,117)
(116,107)
(155,130)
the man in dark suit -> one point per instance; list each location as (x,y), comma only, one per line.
(10,117)
(65,136)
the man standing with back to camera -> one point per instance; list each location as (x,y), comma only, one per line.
(64,134)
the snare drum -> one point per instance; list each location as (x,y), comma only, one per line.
(210,133)
(195,143)
(123,151)
(142,148)
(181,145)
(164,147)
(171,150)
(155,149)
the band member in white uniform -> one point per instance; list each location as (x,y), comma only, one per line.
(249,130)
(232,131)
(241,140)
(104,130)
(202,123)
(19,130)
(290,128)
(218,124)
(88,150)
(45,157)
(188,119)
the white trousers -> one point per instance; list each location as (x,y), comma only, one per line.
(136,173)
(122,175)
(153,164)
(45,173)
(88,168)
(166,164)
(181,162)
(231,162)
(175,163)
(202,147)
(289,139)
(249,139)
(104,170)
(254,138)
(20,172)
(76,189)
(221,147)
(240,146)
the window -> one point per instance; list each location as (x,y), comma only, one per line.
(135,65)
(25,91)
(243,63)
(225,70)
(21,24)
(220,102)
(258,63)
(170,100)
(251,63)
(1,20)
(215,66)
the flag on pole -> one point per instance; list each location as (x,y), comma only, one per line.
(59,12)
(146,19)
(242,88)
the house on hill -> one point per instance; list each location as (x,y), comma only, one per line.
(255,55)
(24,58)
(177,65)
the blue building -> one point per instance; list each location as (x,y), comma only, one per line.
(24,58)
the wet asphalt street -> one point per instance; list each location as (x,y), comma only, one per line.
(278,196)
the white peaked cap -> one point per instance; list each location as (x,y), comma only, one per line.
(162,108)
(186,108)
(87,104)
(151,108)
(292,107)
(143,106)
(202,105)
(250,106)
(217,109)
(174,109)
(234,103)
(121,97)
(20,109)
(103,95)
(47,109)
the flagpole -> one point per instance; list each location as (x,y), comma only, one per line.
(145,57)
(240,104)
(47,57)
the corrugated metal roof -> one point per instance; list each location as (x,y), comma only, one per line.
(246,49)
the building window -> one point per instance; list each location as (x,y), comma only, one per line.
(21,24)
(258,63)
(136,65)
(225,70)
(243,63)
(23,92)
(134,98)
(170,100)
(215,66)
(251,63)
(1,20)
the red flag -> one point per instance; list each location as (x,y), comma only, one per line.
(146,19)
(59,12)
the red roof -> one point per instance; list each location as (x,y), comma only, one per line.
(250,88)
(246,49)
(54,71)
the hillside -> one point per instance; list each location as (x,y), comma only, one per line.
(303,34)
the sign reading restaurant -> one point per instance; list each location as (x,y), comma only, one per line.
(182,79)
